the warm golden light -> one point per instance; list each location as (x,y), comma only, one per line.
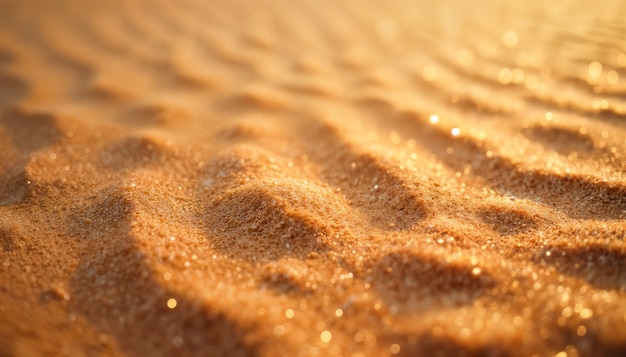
(312,177)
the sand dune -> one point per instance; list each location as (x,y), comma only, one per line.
(301,178)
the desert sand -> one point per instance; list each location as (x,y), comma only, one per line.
(312,178)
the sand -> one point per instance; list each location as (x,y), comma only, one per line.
(312,178)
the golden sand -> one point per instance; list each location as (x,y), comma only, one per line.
(302,178)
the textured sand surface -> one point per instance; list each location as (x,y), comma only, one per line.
(301,178)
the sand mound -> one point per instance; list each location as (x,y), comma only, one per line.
(302,178)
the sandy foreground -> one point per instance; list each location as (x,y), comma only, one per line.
(312,178)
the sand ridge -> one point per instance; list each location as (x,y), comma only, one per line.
(312,178)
